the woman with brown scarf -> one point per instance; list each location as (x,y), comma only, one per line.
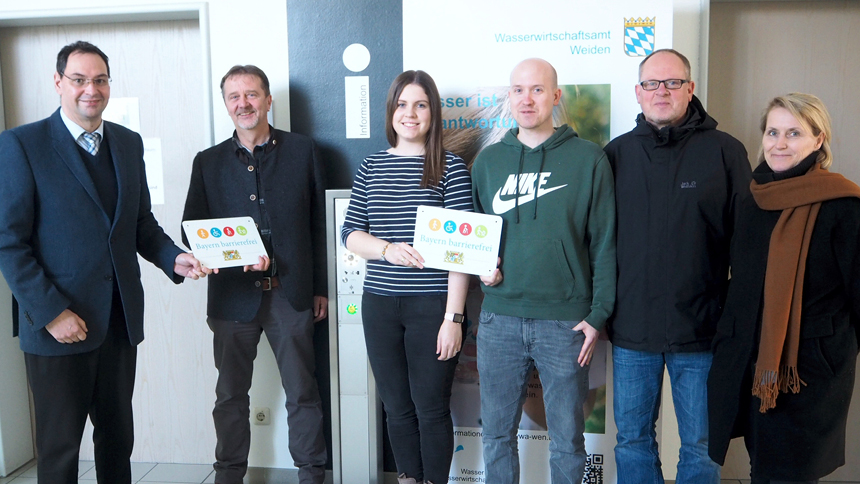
(786,346)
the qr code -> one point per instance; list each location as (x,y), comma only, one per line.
(593,469)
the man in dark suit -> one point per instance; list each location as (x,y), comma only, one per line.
(74,214)
(277,178)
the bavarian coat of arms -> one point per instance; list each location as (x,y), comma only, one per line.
(639,36)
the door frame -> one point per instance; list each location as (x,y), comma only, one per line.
(127,13)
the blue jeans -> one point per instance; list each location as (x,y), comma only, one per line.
(637,382)
(508,349)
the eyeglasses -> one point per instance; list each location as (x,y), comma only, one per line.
(653,85)
(101,81)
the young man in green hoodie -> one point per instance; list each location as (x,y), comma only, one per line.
(556,195)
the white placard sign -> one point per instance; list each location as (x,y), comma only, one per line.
(224,242)
(457,241)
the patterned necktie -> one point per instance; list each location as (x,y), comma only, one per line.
(91,142)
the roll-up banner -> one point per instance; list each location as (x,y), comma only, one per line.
(470,48)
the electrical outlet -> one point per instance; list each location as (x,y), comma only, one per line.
(260,416)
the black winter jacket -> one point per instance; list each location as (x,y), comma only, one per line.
(677,191)
(803,437)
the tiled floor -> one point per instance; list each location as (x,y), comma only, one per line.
(150,473)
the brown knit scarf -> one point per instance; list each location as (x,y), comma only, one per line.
(800,199)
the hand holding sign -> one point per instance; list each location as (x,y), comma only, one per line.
(225,242)
(457,241)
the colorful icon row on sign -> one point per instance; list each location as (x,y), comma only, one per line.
(216,232)
(464,228)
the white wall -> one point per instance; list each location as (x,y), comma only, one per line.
(14,410)
(16,445)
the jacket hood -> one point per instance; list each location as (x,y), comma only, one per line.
(561,134)
(697,119)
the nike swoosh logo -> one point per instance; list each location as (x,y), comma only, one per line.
(501,206)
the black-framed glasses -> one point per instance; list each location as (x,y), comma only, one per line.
(653,84)
(100,81)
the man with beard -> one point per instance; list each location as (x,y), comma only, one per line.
(276,178)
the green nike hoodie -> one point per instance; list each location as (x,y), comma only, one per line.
(558,240)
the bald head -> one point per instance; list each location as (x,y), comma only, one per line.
(537,66)
(533,94)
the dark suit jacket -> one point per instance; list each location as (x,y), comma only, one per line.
(59,249)
(293,187)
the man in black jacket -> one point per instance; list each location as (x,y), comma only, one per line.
(277,178)
(678,182)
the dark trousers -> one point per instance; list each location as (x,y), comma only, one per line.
(66,389)
(414,385)
(290,334)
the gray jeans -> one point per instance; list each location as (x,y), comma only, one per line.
(290,334)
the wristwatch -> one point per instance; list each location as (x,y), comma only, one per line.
(456,317)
